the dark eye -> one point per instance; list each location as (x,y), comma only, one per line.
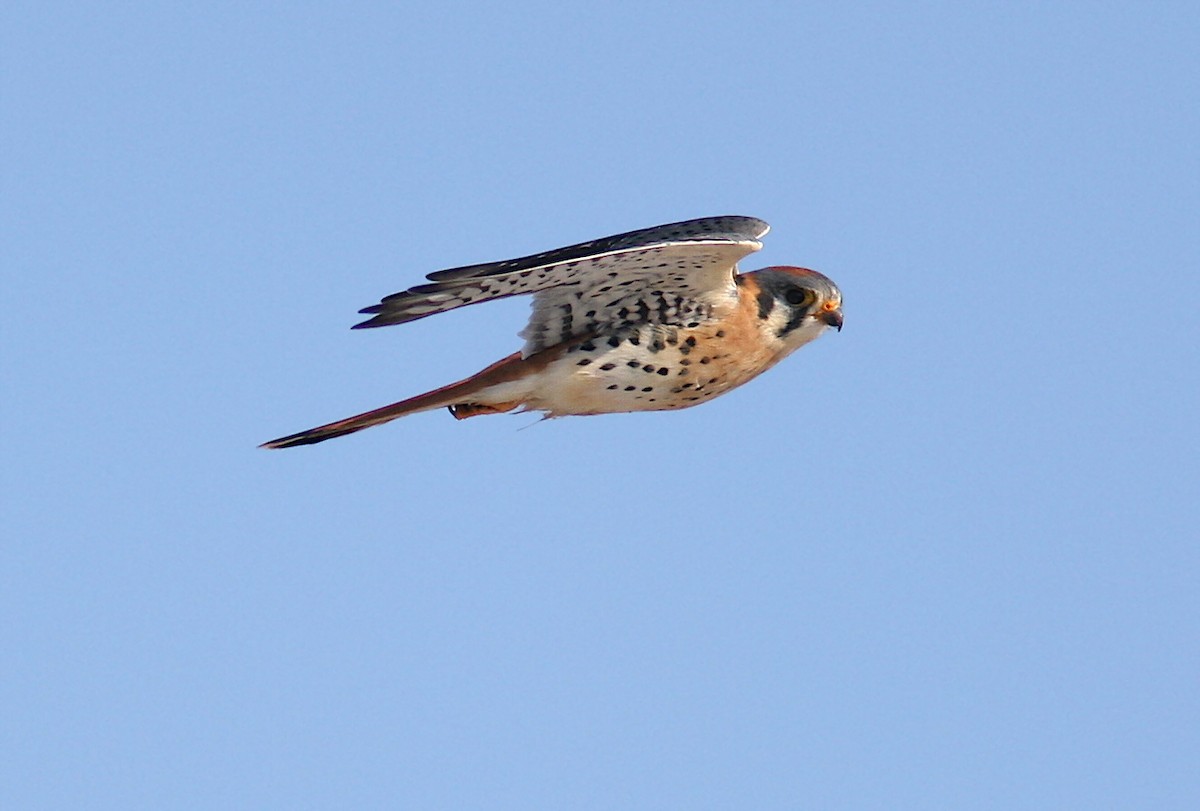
(796,296)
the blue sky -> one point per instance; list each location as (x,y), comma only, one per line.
(946,558)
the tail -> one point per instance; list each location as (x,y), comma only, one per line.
(456,397)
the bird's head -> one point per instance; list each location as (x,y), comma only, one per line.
(798,304)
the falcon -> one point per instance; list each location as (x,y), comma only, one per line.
(651,320)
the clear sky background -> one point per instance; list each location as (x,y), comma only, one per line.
(947,558)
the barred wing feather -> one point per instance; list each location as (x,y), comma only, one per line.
(666,274)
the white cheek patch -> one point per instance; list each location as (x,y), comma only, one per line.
(778,318)
(809,330)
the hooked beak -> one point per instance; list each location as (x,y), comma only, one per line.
(833,318)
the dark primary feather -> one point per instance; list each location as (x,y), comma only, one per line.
(730,229)
(629,260)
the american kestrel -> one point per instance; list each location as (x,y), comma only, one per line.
(651,320)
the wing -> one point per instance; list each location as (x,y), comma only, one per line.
(658,275)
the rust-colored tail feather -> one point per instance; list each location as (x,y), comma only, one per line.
(355,423)
(457,395)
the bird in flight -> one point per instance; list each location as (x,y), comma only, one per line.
(650,320)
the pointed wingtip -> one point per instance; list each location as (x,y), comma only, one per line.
(381,320)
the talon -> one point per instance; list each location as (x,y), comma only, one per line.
(460,411)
